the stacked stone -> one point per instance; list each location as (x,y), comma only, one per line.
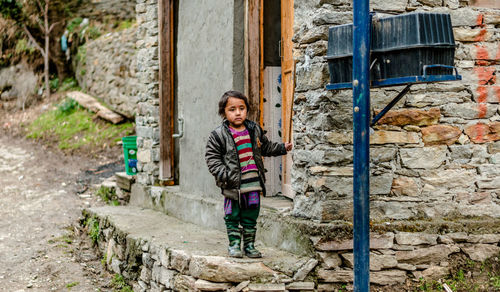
(147,118)
(107,70)
(435,154)
(151,265)
(394,258)
(118,9)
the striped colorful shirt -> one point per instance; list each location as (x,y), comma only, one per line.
(250,181)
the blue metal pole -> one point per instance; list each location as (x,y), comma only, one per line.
(361,124)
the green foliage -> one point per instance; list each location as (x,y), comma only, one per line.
(93,32)
(72,284)
(67,107)
(108,195)
(495,282)
(71,127)
(74,23)
(94,229)
(81,55)
(119,284)
(125,24)
(69,84)
(11,9)
(23,47)
(54,84)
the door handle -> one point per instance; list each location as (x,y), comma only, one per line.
(181,129)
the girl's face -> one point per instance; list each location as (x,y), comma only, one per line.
(235,112)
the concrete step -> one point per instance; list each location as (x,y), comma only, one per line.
(156,251)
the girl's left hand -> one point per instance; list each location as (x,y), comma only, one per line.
(288,147)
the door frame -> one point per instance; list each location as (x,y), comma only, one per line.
(254,73)
(166,90)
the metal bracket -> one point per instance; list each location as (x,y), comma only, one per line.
(181,129)
(390,105)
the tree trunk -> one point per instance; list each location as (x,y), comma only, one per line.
(46,56)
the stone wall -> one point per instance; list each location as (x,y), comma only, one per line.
(148,117)
(153,258)
(116,9)
(106,68)
(436,154)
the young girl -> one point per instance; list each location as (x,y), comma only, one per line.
(234,157)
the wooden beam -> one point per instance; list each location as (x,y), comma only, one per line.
(253,55)
(166,88)
(92,104)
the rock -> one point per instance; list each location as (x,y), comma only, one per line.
(482,133)
(266,287)
(410,238)
(381,5)
(377,241)
(377,262)
(426,158)
(301,286)
(406,267)
(314,34)
(167,277)
(184,283)
(481,252)
(393,137)
(382,154)
(440,134)
(432,3)
(179,260)
(335,276)
(489,183)
(239,287)
(468,111)
(432,273)
(145,274)
(449,178)
(164,257)
(433,254)
(494,148)
(203,285)
(445,239)
(220,269)
(405,186)
(389,277)
(302,273)
(458,236)
(484,238)
(472,35)
(381,184)
(330,260)
(330,16)
(411,117)
(339,138)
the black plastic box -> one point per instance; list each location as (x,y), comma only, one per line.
(400,46)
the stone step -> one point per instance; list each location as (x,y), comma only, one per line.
(159,251)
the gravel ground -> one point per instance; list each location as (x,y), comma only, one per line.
(42,194)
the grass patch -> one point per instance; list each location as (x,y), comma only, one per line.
(71,127)
(108,195)
(72,284)
(93,229)
(118,283)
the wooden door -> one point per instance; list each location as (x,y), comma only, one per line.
(287,90)
(166,90)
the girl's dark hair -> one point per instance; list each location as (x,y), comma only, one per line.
(226,96)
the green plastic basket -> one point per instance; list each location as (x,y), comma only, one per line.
(130,154)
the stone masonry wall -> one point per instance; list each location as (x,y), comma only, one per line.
(147,118)
(435,154)
(118,9)
(106,69)
(398,259)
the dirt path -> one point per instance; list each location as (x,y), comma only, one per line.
(42,194)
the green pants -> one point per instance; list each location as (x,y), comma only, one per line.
(247,218)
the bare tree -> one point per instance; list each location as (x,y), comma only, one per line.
(13,9)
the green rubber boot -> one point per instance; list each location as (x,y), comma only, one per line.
(249,243)
(234,249)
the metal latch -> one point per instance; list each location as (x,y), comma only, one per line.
(181,129)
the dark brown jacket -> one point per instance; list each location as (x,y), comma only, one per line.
(222,157)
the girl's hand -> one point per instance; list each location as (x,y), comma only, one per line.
(288,147)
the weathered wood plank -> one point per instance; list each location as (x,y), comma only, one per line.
(95,106)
